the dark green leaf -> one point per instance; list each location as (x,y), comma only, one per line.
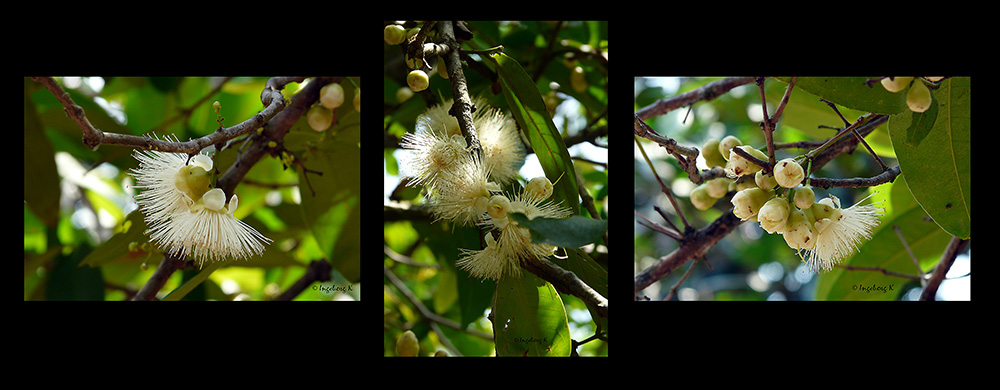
(572,232)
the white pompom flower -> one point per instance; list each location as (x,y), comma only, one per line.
(184,215)
(840,231)
(502,256)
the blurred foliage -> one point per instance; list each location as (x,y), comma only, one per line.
(84,239)
(750,264)
(548,52)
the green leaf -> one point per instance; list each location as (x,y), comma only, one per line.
(921,125)
(529,318)
(532,116)
(853,92)
(41,181)
(939,169)
(572,232)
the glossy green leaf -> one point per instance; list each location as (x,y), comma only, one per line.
(572,232)
(853,92)
(532,116)
(529,318)
(921,125)
(939,169)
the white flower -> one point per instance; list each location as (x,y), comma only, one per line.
(503,256)
(184,215)
(462,195)
(840,231)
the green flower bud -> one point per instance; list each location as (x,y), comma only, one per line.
(727,144)
(417,80)
(710,151)
(394,34)
(193,181)
(700,198)
(407,345)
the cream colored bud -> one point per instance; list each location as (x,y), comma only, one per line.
(739,166)
(498,206)
(538,188)
(799,233)
(788,173)
(773,215)
(747,203)
(765,181)
(918,99)
(717,188)
(804,197)
(896,84)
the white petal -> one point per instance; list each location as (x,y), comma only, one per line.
(203,161)
(233,203)
(214,199)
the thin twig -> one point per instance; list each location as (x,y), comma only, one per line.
(707,92)
(899,233)
(462,108)
(767,126)
(878,269)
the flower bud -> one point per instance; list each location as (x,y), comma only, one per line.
(773,215)
(896,84)
(919,97)
(788,173)
(538,188)
(727,144)
(717,188)
(739,166)
(700,198)
(804,197)
(498,207)
(407,345)
(710,151)
(417,80)
(765,181)
(799,233)
(331,96)
(394,34)
(748,202)
(320,118)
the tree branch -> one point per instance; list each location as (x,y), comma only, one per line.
(707,92)
(947,259)
(462,108)
(92,137)
(567,282)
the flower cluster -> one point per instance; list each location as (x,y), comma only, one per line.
(466,189)
(826,232)
(185,216)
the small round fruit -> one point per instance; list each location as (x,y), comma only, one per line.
(417,80)
(727,144)
(919,97)
(331,96)
(394,34)
(319,118)
(896,84)
(407,345)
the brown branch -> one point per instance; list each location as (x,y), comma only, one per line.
(92,137)
(707,92)
(318,271)
(947,259)
(462,108)
(567,282)
(159,278)
(888,176)
(694,247)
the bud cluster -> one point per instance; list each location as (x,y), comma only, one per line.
(918,98)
